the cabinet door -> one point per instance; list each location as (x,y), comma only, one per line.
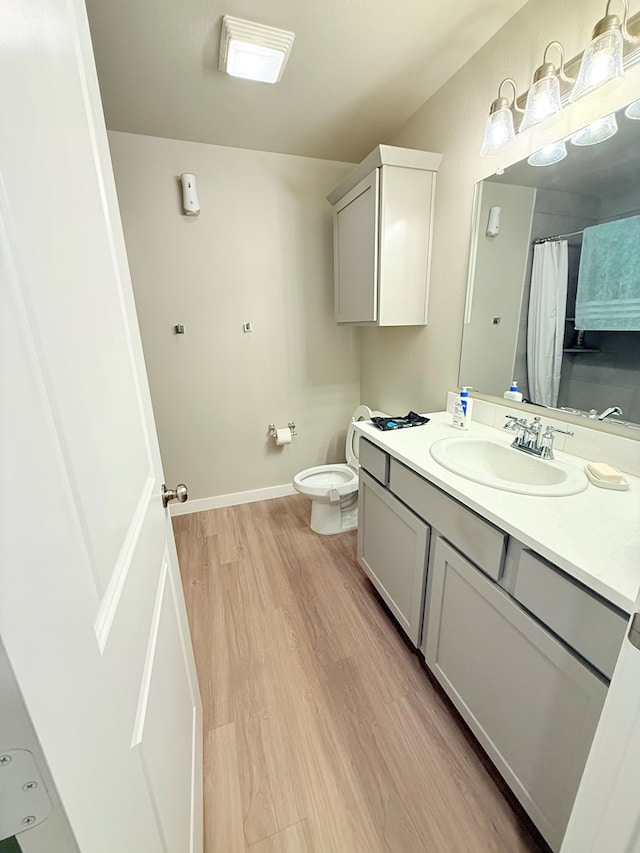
(532,705)
(392,550)
(355,230)
(406,216)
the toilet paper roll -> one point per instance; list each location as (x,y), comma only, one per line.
(283,436)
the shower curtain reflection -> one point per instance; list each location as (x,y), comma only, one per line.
(547,310)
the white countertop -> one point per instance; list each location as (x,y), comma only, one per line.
(594,535)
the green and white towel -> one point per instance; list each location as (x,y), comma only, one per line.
(608,296)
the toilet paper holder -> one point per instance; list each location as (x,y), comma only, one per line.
(273,429)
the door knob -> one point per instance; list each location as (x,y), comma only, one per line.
(180,493)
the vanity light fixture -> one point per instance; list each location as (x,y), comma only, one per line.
(633,111)
(543,98)
(499,132)
(598,131)
(549,155)
(602,60)
(253,51)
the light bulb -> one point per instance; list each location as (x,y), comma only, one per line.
(598,131)
(601,62)
(549,155)
(633,111)
(543,102)
(499,132)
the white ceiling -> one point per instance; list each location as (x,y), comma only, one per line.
(358,70)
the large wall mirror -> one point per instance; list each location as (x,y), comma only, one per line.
(554,287)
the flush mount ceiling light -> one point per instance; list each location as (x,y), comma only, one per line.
(598,131)
(253,51)
(549,155)
(499,132)
(543,98)
(602,60)
(633,111)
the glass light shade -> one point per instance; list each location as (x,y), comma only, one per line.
(601,62)
(543,102)
(597,131)
(499,133)
(633,111)
(549,155)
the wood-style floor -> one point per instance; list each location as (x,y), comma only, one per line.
(323,730)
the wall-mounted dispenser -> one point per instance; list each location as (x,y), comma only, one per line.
(190,202)
(493,225)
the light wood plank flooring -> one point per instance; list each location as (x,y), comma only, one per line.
(323,731)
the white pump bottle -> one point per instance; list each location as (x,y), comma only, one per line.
(462,409)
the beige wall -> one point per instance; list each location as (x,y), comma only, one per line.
(260,251)
(413,368)
(488,351)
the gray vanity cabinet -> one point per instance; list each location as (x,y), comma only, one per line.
(393,545)
(532,704)
(523,650)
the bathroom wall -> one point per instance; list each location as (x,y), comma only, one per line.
(260,251)
(620,206)
(486,361)
(413,368)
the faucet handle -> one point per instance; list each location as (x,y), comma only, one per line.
(549,430)
(515,422)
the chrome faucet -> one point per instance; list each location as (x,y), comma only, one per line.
(533,437)
(612,410)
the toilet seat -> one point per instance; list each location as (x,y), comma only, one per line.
(333,489)
(321,480)
(318,481)
(351,450)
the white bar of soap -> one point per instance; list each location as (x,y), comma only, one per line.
(603,471)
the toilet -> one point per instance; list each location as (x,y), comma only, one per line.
(333,489)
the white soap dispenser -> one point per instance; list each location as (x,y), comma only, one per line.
(462,408)
(513,393)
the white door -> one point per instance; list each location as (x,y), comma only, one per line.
(91,609)
(606,814)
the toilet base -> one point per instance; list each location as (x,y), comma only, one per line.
(328,519)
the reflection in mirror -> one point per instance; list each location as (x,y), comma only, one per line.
(554,296)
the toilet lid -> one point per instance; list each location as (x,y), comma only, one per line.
(362,413)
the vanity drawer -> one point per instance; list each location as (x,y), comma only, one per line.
(587,623)
(374,460)
(483,543)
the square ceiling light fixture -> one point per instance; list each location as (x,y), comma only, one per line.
(253,51)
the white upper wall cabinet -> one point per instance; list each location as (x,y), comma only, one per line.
(382,226)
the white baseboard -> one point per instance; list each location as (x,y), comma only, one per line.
(235,498)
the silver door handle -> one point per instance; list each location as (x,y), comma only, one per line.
(180,493)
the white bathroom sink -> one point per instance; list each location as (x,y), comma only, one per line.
(503,467)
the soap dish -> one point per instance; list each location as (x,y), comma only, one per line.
(605,484)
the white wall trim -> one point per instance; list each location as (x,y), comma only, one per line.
(233,499)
